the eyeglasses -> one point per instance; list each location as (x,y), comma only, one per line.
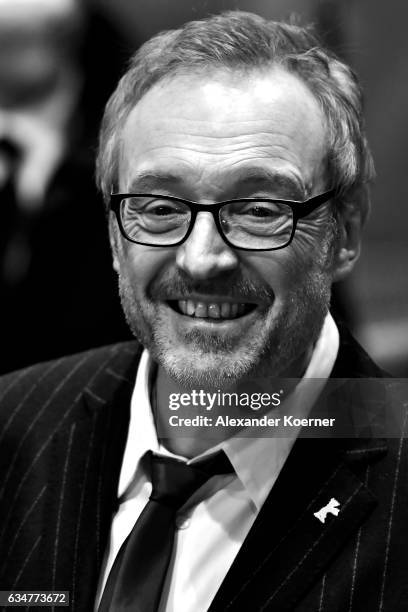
(249,224)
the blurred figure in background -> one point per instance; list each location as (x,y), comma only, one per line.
(57,67)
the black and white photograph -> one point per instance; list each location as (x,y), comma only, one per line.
(203,306)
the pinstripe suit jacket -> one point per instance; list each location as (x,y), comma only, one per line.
(62,434)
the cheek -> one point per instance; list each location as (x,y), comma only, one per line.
(282,270)
(141,264)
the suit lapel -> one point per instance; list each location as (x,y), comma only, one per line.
(84,467)
(288,548)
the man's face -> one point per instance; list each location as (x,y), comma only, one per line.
(208,312)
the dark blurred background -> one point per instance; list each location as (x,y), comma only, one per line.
(59,59)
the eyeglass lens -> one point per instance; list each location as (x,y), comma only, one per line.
(255,224)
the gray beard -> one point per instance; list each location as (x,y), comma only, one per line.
(293,333)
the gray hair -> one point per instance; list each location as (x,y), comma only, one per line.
(236,40)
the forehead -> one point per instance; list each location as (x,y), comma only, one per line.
(210,130)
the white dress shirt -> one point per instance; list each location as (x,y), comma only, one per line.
(212,526)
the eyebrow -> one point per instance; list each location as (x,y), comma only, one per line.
(288,186)
(145,181)
(250,179)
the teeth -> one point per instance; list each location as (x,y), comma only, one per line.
(225,310)
(201,310)
(214,310)
(190,309)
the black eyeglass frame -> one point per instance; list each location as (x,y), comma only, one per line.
(299,211)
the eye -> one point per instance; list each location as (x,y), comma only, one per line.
(260,211)
(161,210)
(257,210)
(152,207)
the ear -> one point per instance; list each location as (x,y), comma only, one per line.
(114,239)
(350,224)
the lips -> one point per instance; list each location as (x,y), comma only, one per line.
(211,310)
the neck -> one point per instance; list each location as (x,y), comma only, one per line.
(164,388)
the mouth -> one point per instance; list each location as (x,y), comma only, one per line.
(211,310)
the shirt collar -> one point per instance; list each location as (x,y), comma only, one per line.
(257,462)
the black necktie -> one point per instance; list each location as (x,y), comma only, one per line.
(137,577)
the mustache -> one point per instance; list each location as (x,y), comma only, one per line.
(234,285)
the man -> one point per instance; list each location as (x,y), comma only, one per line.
(235,153)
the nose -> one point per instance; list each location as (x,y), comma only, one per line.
(204,254)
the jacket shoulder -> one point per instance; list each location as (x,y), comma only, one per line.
(352,360)
(66,376)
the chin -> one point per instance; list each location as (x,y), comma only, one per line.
(194,368)
(205,360)
(199,356)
